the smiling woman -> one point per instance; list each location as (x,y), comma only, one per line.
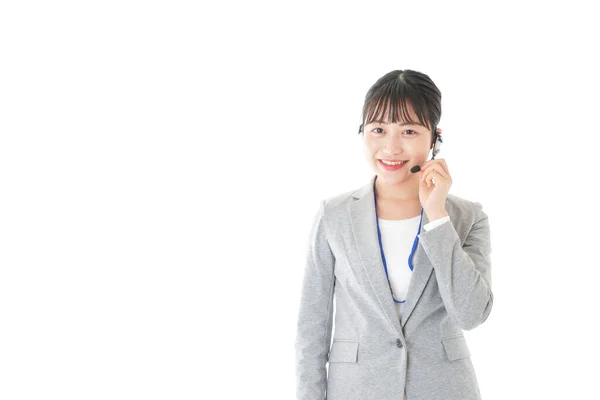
(399,123)
(407,264)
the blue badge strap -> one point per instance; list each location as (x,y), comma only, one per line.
(414,247)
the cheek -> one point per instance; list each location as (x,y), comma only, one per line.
(418,149)
(367,153)
(371,145)
(369,148)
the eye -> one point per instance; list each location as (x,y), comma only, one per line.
(408,130)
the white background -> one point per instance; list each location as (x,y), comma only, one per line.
(160,163)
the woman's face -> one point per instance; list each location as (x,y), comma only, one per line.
(398,141)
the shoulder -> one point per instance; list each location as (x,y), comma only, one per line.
(462,210)
(338,202)
(461,204)
(333,205)
(339,199)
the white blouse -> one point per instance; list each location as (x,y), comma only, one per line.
(397,239)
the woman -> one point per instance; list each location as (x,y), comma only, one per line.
(407,263)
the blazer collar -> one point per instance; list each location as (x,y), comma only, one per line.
(364,229)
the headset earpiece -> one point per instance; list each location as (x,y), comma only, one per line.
(436,143)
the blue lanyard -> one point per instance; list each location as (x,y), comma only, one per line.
(410,263)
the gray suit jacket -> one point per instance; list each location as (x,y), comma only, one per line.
(374,354)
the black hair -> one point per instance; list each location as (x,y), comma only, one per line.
(392,91)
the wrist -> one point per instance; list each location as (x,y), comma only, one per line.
(437,214)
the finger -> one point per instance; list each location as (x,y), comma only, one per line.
(439,178)
(430,175)
(422,179)
(439,163)
(425,178)
(429,171)
(444,166)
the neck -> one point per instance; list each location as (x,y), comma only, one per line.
(405,191)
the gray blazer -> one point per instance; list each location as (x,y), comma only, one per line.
(374,354)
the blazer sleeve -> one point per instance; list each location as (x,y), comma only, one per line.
(314,324)
(464,273)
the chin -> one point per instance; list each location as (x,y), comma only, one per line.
(390,177)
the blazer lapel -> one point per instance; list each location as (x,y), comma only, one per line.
(364,230)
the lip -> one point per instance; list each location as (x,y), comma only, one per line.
(391,167)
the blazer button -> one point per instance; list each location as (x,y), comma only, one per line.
(399,343)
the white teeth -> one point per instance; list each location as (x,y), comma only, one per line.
(393,163)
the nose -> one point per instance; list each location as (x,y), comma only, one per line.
(393,144)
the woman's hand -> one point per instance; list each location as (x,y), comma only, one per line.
(433,194)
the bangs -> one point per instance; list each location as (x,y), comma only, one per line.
(391,103)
